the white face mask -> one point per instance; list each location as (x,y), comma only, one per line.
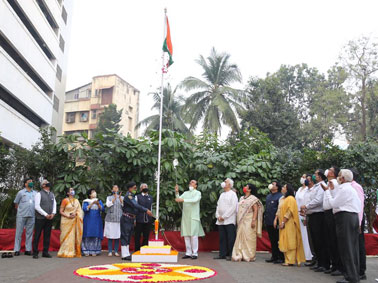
(326,173)
(302,180)
(223,185)
(191,188)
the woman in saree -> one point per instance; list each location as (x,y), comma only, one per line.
(71,226)
(290,242)
(249,220)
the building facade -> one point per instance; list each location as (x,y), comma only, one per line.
(34,35)
(84,105)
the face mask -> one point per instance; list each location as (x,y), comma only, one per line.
(223,185)
(133,191)
(72,193)
(270,187)
(306,182)
(302,180)
(191,188)
(94,195)
(31,185)
(245,190)
(48,185)
(115,193)
(326,173)
(145,190)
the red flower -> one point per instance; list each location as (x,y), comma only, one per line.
(151,264)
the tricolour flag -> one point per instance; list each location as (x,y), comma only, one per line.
(167,46)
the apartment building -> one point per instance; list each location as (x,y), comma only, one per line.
(34,35)
(84,105)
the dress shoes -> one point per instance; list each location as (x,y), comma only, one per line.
(328,271)
(186,256)
(311,263)
(228,258)
(28,253)
(314,267)
(47,255)
(194,257)
(35,256)
(363,277)
(270,260)
(343,281)
(16,253)
(220,257)
(278,261)
(336,273)
(320,269)
(127,258)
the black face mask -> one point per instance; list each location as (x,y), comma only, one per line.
(145,191)
(306,183)
(48,185)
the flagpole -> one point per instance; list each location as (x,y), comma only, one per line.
(160,129)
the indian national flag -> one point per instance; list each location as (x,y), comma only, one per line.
(167,46)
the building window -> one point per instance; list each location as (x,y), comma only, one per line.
(24,65)
(61,43)
(64,15)
(130,124)
(48,15)
(84,116)
(107,96)
(76,96)
(97,92)
(94,114)
(70,117)
(56,103)
(89,93)
(58,73)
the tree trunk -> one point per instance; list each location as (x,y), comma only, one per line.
(363,108)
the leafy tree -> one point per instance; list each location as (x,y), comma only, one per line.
(360,59)
(109,119)
(172,107)
(214,101)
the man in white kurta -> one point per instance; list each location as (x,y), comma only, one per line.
(226,220)
(191,227)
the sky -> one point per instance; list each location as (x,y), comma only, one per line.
(125,37)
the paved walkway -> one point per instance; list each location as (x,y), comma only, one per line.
(27,269)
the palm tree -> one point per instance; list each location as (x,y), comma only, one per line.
(172,107)
(214,100)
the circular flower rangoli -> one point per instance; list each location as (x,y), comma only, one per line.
(145,272)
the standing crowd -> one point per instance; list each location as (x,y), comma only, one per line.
(81,227)
(321,224)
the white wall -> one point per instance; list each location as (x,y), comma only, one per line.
(17,129)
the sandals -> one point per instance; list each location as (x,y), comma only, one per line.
(287,264)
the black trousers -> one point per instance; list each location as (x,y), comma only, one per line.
(331,241)
(347,235)
(362,250)
(227,235)
(142,228)
(127,228)
(45,225)
(318,236)
(274,237)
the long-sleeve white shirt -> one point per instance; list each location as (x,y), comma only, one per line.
(315,199)
(326,204)
(37,205)
(344,199)
(227,208)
